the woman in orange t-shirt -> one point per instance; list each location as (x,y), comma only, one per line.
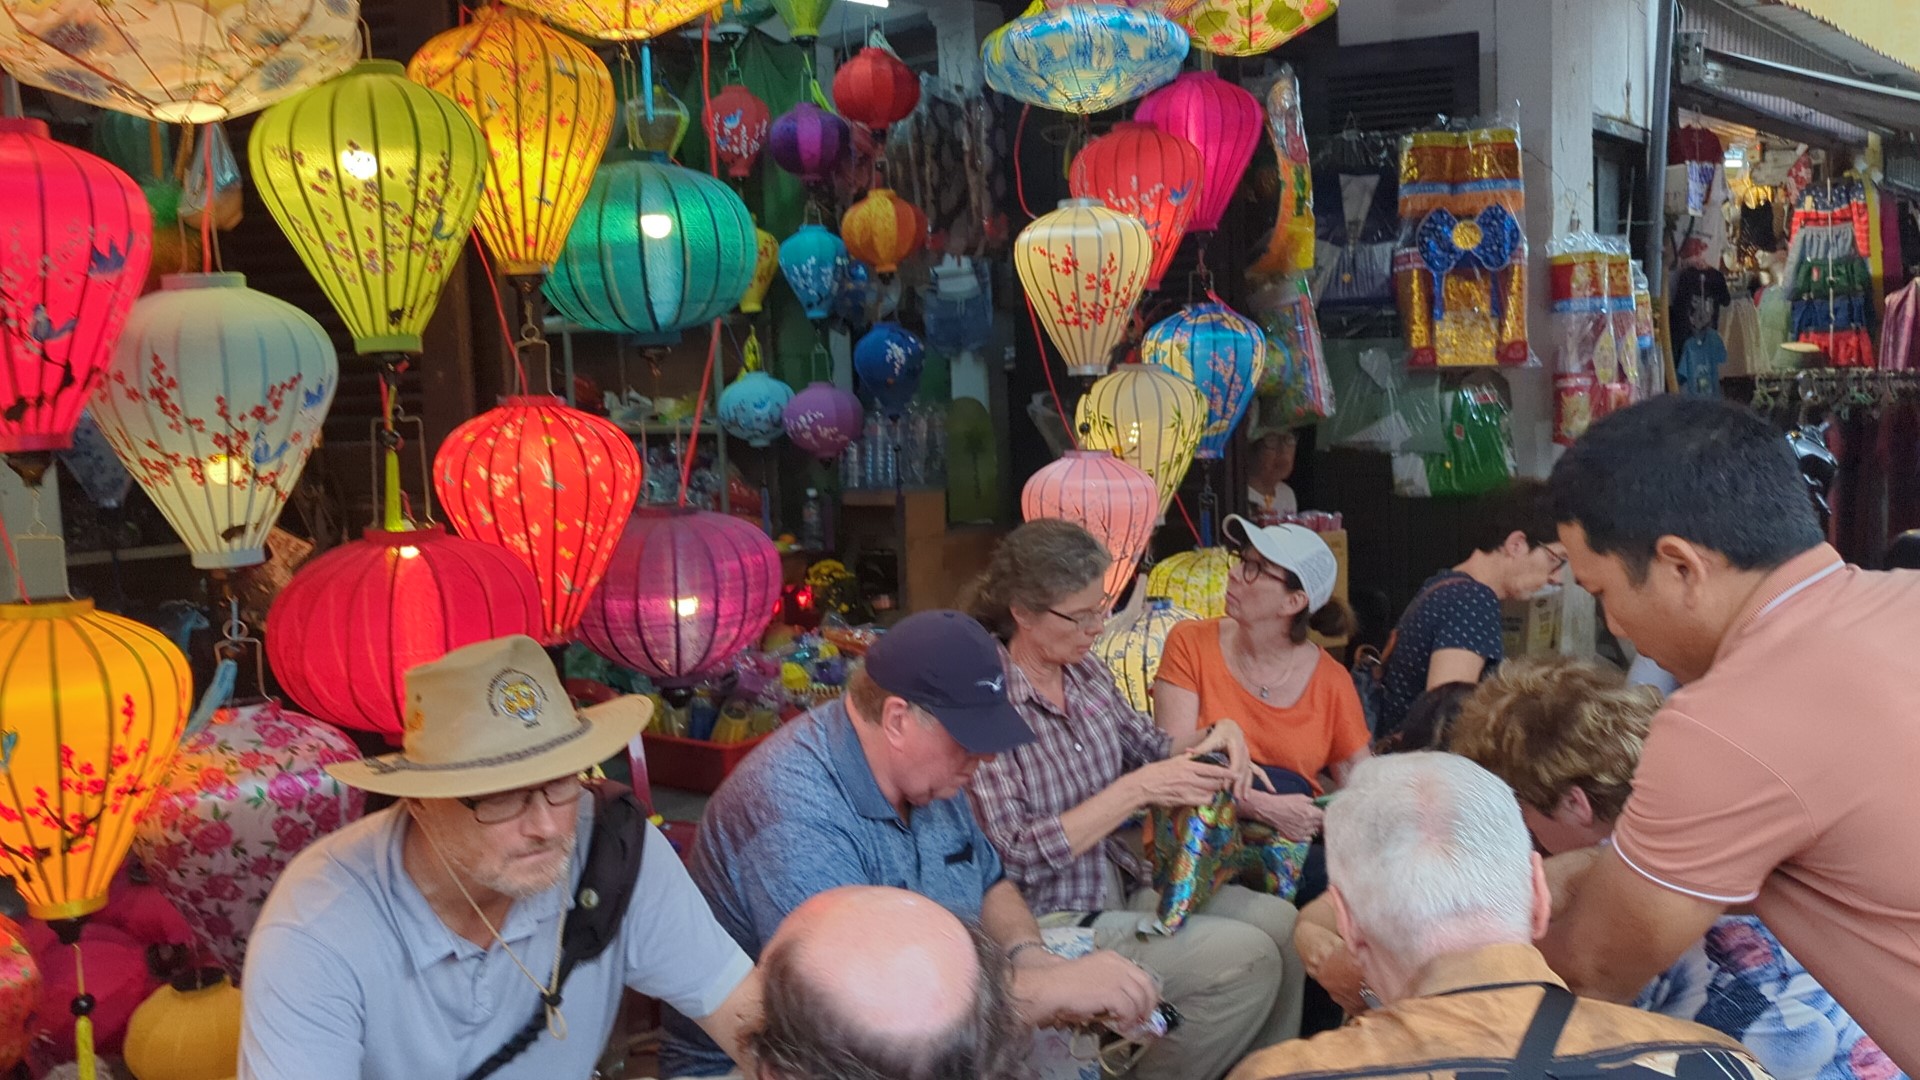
(1295,703)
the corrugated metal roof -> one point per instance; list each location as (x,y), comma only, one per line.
(1870,33)
(1771,30)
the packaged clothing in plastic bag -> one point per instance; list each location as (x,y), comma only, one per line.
(1479,454)
(1356,195)
(1290,247)
(1595,356)
(1196,850)
(1295,388)
(1383,407)
(1460,272)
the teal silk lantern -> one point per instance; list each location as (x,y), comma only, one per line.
(812,260)
(1221,352)
(656,249)
(1084,58)
(754,405)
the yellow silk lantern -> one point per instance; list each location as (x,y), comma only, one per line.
(766,266)
(1131,649)
(1149,417)
(188,1030)
(545,104)
(1193,580)
(1084,267)
(619,20)
(1252,27)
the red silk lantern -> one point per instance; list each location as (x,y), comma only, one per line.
(352,621)
(875,88)
(687,591)
(74,243)
(1223,121)
(1109,498)
(549,483)
(738,122)
(883,230)
(1151,174)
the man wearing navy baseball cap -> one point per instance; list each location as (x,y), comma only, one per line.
(867,790)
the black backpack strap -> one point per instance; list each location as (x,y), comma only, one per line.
(614,853)
(1534,1059)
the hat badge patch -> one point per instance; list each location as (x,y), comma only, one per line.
(516,694)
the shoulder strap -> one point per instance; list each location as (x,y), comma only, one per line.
(1535,1057)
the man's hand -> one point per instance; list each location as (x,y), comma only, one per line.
(1292,816)
(1324,955)
(1099,986)
(1178,782)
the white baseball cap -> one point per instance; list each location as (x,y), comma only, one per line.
(1294,548)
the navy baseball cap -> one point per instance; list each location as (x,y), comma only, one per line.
(946,663)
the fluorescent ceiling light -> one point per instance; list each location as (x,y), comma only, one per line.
(870,3)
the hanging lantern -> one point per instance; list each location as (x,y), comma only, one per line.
(551,484)
(686,592)
(74,244)
(1172,9)
(1194,581)
(738,122)
(752,406)
(1222,353)
(245,794)
(822,419)
(809,142)
(1109,498)
(811,261)
(1222,121)
(19,993)
(1144,172)
(656,249)
(883,230)
(888,360)
(375,180)
(1084,267)
(618,20)
(545,104)
(1132,649)
(860,297)
(344,631)
(766,264)
(213,400)
(1149,417)
(1083,58)
(875,88)
(1252,27)
(181,62)
(663,131)
(188,1030)
(803,17)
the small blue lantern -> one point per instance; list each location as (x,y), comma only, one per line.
(812,261)
(1221,352)
(889,360)
(1083,58)
(856,298)
(752,407)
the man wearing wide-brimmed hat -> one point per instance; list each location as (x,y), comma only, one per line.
(417,942)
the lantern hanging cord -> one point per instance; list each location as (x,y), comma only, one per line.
(699,408)
(1181,503)
(1040,343)
(500,308)
(1019,176)
(13,562)
(81,1006)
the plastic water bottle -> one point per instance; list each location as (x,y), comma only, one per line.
(872,451)
(813,534)
(851,476)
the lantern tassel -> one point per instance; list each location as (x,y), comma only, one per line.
(68,932)
(646,79)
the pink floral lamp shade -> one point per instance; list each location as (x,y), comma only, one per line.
(1111,499)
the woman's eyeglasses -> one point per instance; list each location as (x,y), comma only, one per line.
(1086,620)
(1251,567)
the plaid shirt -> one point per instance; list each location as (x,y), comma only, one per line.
(1020,795)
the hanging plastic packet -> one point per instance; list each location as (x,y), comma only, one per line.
(1295,378)
(211,176)
(1290,247)
(1584,355)
(1479,456)
(1460,272)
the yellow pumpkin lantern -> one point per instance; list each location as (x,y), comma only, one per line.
(883,230)
(189,1030)
(1149,417)
(1194,580)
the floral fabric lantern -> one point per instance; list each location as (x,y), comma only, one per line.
(1084,267)
(1172,9)
(766,264)
(1222,121)
(549,483)
(1111,499)
(686,592)
(1139,170)
(178,61)
(74,245)
(376,180)
(809,142)
(245,794)
(883,230)
(1252,27)
(888,359)
(1132,649)
(753,405)
(822,419)
(875,88)
(213,400)
(803,17)
(738,122)
(545,104)
(1194,581)
(1221,352)
(353,620)
(812,260)
(1083,58)
(618,20)
(1149,418)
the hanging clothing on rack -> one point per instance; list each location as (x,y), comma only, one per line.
(1740,330)
(1828,273)
(1356,184)
(1900,332)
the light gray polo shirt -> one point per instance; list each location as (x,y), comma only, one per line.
(351,976)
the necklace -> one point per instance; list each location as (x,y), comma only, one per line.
(1264,690)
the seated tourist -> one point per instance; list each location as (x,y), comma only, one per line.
(866,791)
(1438,896)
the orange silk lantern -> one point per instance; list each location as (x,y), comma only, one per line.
(1084,267)
(883,230)
(618,20)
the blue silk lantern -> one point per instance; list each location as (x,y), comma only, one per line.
(812,261)
(656,249)
(1221,352)
(889,360)
(1083,58)
(856,297)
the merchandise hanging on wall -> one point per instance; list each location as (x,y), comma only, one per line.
(1290,246)
(1460,273)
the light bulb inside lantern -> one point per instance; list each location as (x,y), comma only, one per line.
(222,470)
(686,606)
(656,226)
(409,552)
(359,164)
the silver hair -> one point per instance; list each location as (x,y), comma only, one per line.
(1431,856)
(1035,567)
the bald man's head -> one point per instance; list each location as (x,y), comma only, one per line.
(866,983)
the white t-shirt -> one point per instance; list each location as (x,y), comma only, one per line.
(1267,508)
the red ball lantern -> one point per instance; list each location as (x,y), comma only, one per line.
(1109,498)
(348,626)
(875,88)
(1140,170)
(74,243)
(1221,120)
(883,230)
(550,484)
(687,591)
(738,122)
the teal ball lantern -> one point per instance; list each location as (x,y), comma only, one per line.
(752,407)
(813,261)
(1221,352)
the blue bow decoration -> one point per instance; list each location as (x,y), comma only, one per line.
(1444,247)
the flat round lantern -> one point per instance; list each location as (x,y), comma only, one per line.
(1222,121)
(1221,352)
(889,359)
(1132,649)
(752,407)
(1194,580)
(739,123)
(812,260)
(213,400)
(186,1030)
(874,87)
(182,61)
(883,230)
(1252,27)
(1149,418)
(1084,267)
(1141,171)
(1109,498)
(618,20)
(822,419)
(549,483)
(1172,9)
(766,265)
(809,142)
(686,592)
(656,249)
(376,181)
(803,17)
(545,104)
(1083,58)
(74,245)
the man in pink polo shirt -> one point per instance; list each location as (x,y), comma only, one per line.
(1785,773)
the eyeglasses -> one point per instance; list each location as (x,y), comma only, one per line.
(1086,620)
(1559,559)
(1251,567)
(504,807)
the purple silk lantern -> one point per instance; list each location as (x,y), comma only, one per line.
(686,592)
(809,142)
(823,419)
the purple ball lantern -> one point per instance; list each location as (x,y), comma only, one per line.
(823,419)
(809,142)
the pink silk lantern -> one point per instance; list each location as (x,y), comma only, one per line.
(686,592)
(1109,498)
(822,419)
(352,621)
(738,122)
(809,142)
(244,795)
(75,238)
(1223,121)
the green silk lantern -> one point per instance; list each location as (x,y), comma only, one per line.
(376,180)
(803,17)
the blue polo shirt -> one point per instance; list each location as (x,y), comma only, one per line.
(803,814)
